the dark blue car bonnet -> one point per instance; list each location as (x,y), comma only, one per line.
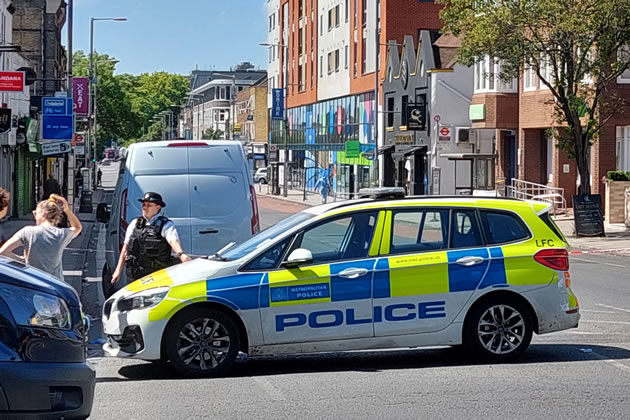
(18,274)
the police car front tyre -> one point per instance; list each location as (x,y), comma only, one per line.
(499,330)
(202,342)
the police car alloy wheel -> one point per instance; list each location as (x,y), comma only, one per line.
(499,330)
(202,342)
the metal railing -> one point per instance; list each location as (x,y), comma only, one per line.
(531,191)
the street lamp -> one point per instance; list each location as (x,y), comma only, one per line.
(285,119)
(92,139)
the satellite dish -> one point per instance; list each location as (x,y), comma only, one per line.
(29,75)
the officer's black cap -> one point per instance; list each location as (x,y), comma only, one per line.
(153,197)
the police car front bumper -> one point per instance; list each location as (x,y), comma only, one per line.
(130,334)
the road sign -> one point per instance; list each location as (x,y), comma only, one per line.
(57,121)
(277,110)
(56,106)
(436,118)
(12,81)
(56,148)
(57,127)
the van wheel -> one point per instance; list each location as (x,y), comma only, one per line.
(499,330)
(202,342)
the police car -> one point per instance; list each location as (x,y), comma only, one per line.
(385,271)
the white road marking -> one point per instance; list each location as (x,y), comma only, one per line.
(606,322)
(615,363)
(597,312)
(271,390)
(613,307)
(599,262)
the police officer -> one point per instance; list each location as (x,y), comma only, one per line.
(151,242)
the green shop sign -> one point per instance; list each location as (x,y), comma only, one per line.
(353,149)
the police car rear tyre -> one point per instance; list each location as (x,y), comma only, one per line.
(499,330)
(202,342)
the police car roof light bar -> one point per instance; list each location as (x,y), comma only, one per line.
(383,193)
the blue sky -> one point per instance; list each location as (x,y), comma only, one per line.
(174,35)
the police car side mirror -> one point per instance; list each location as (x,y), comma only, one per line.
(102,214)
(298,257)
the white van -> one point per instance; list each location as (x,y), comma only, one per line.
(207,188)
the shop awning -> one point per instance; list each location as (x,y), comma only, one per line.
(414,150)
(385,149)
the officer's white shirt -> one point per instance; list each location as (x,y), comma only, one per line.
(168,231)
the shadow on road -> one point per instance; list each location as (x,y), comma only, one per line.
(375,361)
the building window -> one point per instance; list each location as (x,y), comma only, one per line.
(529,77)
(365,3)
(300,41)
(356,13)
(347,10)
(390,111)
(546,71)
(321,66)
(356,65)
(270,23)
(321,25)
(346,57)
(333,18)
(270,54)
(364,55)
(333,61)
(622,55)
(486,74)
(623,148)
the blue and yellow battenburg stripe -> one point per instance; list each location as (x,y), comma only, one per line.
(396,276)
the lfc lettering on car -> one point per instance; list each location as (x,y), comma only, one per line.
(544,242)
(335,317)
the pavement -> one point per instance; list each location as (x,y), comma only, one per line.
(616,241)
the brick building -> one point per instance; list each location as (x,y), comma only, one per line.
(37,26)
(520,116)
(328,50)
(251,113)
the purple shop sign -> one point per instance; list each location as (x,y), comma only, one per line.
(81,92)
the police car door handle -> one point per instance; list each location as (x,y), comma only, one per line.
(353,273)
(469,261)
(207,231)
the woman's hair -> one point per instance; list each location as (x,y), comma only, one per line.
(52,211)
(4,199)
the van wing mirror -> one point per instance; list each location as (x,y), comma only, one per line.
(102,213)
(298,257)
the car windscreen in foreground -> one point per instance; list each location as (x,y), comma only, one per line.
(267,235)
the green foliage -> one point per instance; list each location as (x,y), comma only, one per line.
(576,48)
(618,175)
(212,134)
(126,103)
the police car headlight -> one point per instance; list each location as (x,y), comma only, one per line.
(143,300)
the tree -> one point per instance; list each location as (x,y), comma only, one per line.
(576,48)
(212,134)
(126,104)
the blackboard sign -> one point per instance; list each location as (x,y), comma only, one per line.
(588,214)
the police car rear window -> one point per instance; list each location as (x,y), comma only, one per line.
(501,227)
(552,225)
